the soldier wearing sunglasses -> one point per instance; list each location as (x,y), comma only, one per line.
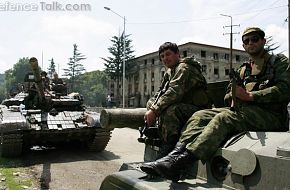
(262,95)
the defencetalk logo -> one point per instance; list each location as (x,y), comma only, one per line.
(44,6)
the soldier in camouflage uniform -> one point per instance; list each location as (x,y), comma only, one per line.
(262,94)
(183,91)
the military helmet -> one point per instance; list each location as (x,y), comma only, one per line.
(257,30)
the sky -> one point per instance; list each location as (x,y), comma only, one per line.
(40,29)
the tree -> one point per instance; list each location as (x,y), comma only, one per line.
(114,64)
(92,85)
(16,75)
(2,87)
(271,46)
(75,68)
(51,68)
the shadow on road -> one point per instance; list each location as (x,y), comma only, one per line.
(47,156)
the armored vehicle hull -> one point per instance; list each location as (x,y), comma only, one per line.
(37,117)
(256,160)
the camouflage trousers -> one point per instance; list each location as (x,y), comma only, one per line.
(206,130)
(173,119)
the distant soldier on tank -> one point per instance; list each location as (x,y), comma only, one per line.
(183,91)
(58,85)
(45,80)
(263,96)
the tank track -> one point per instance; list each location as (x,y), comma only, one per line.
(11,145)
(100,141)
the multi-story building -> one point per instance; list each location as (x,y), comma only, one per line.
(144,73)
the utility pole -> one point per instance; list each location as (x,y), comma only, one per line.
(288,29)
(231,38)
(232,76)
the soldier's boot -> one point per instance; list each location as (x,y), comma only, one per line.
(151,168)
(174,166)
(168,146)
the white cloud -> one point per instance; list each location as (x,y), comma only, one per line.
(280,36)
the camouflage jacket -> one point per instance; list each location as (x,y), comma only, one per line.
(183,84)
(268,79)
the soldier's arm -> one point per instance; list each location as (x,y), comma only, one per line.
(280,91)
(151,101)
(185,78)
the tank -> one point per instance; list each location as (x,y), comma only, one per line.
(250,160)
(39,117)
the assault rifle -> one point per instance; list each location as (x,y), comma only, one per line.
(148,130)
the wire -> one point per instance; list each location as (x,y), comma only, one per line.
(210,18)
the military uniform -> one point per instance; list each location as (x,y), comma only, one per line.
(262,106)
(184,91)
(269,81)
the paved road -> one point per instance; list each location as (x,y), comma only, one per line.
(63,169)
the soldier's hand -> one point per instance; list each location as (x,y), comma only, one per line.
(150,117)
(244,95)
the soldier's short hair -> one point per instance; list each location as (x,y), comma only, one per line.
(168,45)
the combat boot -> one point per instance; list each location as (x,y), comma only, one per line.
(174,166)
(150,167)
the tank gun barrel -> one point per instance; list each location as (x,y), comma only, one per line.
(120,118)
(39,84)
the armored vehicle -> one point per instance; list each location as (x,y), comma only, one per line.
(250,160)
(39,117)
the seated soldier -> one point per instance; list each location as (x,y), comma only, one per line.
(263,96)
(45,80)
(58,85)
(182,92)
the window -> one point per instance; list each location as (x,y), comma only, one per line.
(227,71)
(152,61)
(152,76)
(203,68)
(145,77)
(184,53)
(227,56)
(215,56)
(216,71)
(145,62)
(238,58)
(203,53)
(145,89)
(152,88)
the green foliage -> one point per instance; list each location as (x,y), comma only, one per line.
(16,75)
(8,168)
(51,68)
(75,68)
(92,85)
(114,63)
(2,87)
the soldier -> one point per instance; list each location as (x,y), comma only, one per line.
(263,97)
(58,85)
(182,92)
(45,80)
(56,80)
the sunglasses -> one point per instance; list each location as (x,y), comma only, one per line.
(253,39)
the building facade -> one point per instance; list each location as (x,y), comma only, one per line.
(144,74)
